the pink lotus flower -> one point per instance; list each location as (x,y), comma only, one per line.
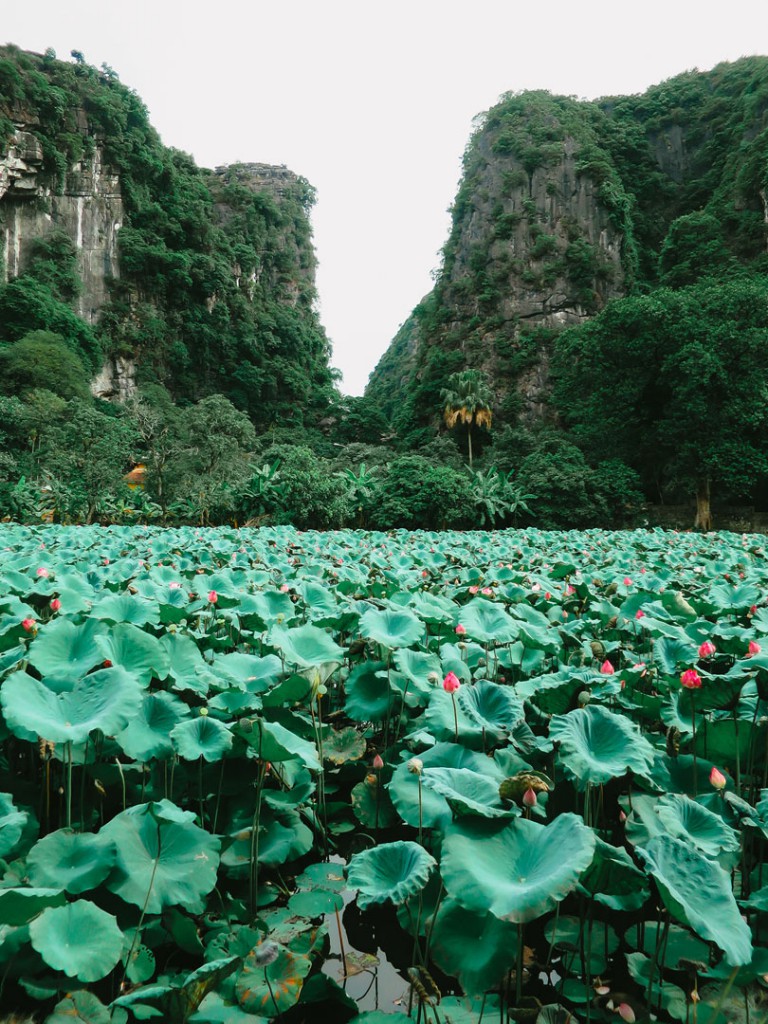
(55,604)
(639,614)
(473,590)
(377,762)
(707,649)
(607,668)
(569,590)
(213,597)
(754,648)
(174,586)
(690,679)
(717,779)
(486,591)
(284,588)
(451,683)
(43,572)
(529,798)
(28,625)
(461,630)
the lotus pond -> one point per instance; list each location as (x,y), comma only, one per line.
(532,766)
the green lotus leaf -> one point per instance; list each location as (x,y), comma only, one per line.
(184,658)
(315,903)
(161,862)
(570,934)
(680,943)
(214,1010)
(80,1007)
(249,672)
(515,870)
(265,609)
(478,949)
(417,666)
(17,906)
(613,879)
(325,875)
(77,862)
(63,648)
(467,792)
(435,811)
(487,622)
(138,652)
(202,737)
(596,745)
(698,892)
(274,742)
(371,802)
(688,820)
(391,627)
(674,654)
(369,692)
(13,824)
(272,987)
(80,939)
(555,1014)
(148,734)
(319,601)
(343,745)
(306,646)
(126,608)
(104,700)
(490,706)
(391,872)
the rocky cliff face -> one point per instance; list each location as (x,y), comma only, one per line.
(565,205)
(88,208)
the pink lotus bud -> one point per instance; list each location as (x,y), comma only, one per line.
(529,798)
(43,572)
(627,581)
(487,591)
(284,588)
(535,587)
(639,614)
(626,1013)
(754,648)
(607,668)
(707,649)
(569,590)
(690,679)
(451,683)
(28,625)
(213,597)
(461,630)
(717,779)
(377,762)
(622,817)
(752,610)
(473,590)
(547,596)
(55,604)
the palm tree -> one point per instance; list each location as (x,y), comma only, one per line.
(467,399)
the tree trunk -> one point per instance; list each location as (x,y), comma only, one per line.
(469,443)
(703,511)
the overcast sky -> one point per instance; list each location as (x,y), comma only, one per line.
(373,103)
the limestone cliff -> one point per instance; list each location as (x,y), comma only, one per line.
(565,205)
(199,280)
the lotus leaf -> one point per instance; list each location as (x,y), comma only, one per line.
(64,648)
(136,651)
(698,892)
(596,745)
(369,692)
(487,622)
(268,984)
(515,870)
(391,872)
(306,646)
(201,737)
(104,700)
(80,939)
(161,861)
(12,824)
(148,734)
(71,860)
(82,1007)
(687,820)
(466,791)
(391,627)
(17,906)
(478,949)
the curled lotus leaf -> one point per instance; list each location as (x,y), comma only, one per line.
(697,892)
(515,870)
(390,873)
(391,627)
(597,745)
(75,861)
(202,737)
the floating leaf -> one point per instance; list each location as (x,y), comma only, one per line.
(271,984)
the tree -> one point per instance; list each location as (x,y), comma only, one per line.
(467,399)
(675,384)
(43,360)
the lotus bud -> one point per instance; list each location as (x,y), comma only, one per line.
(626,1013)
(754,648)
(377,762)
(461,630)
(707,649)
(607,668)
(529,798)
(55,604)
(690,679)
(451,683)
(28,625)
(213,597)
(42,572)
(639,614)
(584,698)
(717,779)
(415,766)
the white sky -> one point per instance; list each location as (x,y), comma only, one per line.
(373,103)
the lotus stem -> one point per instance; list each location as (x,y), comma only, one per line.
(695,770)
(519,971)
(738,752)
(122,780)
(218,797)
(421,830)
(455,717)
(69,785)
(341,941)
